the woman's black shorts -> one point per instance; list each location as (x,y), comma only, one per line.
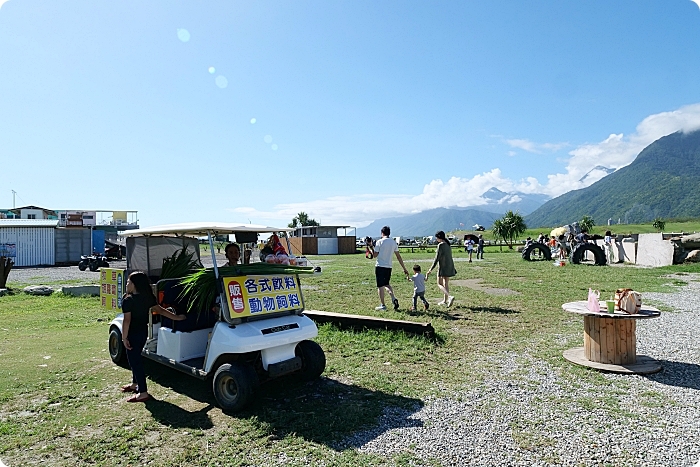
(383,276)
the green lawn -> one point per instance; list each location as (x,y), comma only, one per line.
(60,403)
(672,226)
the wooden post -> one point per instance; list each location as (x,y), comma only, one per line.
(5,267)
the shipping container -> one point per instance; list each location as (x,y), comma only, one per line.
(29,242)
(71,243)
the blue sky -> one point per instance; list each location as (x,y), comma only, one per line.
(347,110)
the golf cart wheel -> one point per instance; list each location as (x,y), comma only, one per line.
(117,352)
(313,360)
(82,265)
(234,385)
(579,254)
(94,266)
(542,252)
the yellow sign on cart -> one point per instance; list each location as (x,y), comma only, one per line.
(112,286)
(258,295)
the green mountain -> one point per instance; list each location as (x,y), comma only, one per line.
(663,181)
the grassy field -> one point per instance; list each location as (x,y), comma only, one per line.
(672,226)
(60,404)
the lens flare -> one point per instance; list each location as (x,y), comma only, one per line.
(183,35)
(212,70)
(252,121)
(274,147)
(268,139)
(221,81)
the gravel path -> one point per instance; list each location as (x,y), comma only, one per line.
(531,415)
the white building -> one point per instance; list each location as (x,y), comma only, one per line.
(30,242)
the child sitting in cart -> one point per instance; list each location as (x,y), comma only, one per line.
(418,280)
(233,254)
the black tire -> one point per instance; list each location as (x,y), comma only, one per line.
(313,360)
(545,254)
(105,264)
(117,352)
(93,266)
(82,265)
(579,254)
(234,385)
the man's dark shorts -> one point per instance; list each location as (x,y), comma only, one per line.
(383,276)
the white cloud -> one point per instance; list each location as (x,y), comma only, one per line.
(359,211)
(615,151)
(537,148)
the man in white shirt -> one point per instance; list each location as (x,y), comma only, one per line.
(383,250)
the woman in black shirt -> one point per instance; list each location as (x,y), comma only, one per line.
(138,302)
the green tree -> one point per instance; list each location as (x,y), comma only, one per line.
(499,231)
(302,220)
(509,227)
(659,224)
(587,223)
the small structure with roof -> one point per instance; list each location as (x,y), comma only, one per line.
(322,240)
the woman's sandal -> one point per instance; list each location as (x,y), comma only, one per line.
(127,388)
(139,399)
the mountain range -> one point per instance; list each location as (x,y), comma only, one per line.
(456,218)
(662,182)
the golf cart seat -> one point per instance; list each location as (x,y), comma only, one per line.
(170,295)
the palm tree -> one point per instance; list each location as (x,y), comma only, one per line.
(302,219)
(499,231)
(509,227)
(587,224)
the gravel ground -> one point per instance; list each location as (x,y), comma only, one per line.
(55,277)
(531,415)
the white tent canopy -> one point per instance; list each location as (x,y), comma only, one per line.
(200,229)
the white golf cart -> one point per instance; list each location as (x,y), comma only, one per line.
(255,332)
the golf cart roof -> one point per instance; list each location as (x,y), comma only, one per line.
(200,229)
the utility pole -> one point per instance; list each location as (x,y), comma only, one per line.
(13,198)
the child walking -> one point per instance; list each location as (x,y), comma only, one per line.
(418,280)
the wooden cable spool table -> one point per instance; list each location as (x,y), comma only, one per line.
(610,340)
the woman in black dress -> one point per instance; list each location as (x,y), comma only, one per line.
(138,302)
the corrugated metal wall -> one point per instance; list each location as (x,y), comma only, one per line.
(71,243)
(35,245)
